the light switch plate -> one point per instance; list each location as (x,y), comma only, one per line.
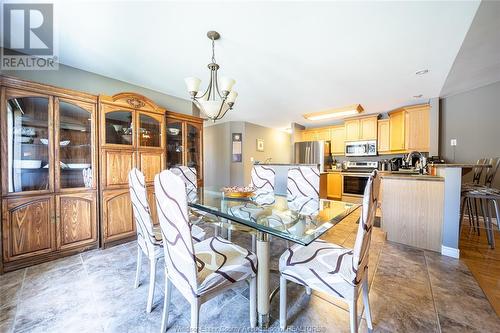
(453,142)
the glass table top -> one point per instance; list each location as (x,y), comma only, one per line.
(297,219)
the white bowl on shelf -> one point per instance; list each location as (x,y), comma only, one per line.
(173,131)
(44,141)
(78,165)
(27,164)
(64,143)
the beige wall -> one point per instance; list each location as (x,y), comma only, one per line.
(220,170)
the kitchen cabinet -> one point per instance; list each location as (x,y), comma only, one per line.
(383,133)
(334,185)
(368,128)
(351,130)
(48,172)
(409,129)
(364,128)
(132,135)
(337,134)
(185,142)
(316,134)
(417,132)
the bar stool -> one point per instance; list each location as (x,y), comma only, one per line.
(468,202)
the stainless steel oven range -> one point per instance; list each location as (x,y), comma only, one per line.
(355,176)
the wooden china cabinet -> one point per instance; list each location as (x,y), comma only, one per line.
(48,172)
(132,134)
(185,142)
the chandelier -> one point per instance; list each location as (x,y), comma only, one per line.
(214,103)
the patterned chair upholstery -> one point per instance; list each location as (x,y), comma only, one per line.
(190,178)
(331,268)
(203,270)
(149,238)
(303,181)
(262,178)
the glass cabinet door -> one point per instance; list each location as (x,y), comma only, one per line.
(118,127)
(74,151)
(193,147)
(174,143)
(149,131)
(28,143)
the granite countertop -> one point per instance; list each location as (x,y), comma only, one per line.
(461,165)
(406,176)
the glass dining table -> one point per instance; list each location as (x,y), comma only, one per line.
(296,219)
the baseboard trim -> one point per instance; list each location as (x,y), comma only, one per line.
(450,252)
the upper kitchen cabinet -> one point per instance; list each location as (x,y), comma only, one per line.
(185,142)
(383,136)
(316,134)
(337,134)
(132,136)
(362,128)
(409,129)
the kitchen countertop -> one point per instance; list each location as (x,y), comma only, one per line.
(405,176)
(461,165)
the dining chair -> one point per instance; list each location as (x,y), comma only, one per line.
(303,181)
(262,178)
(471,205)
(149,238)
(190,178)
(199,271)
(332,269)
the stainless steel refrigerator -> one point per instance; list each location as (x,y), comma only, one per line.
(313,152)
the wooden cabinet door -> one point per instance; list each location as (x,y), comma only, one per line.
(152,205)
(352,130)
(383,136)
(117,216)
(368,128)
(151,164)
(338,135)
(397,131)
(417,136)
(28,227)
(334,189)
(151,130)
(324,134)
(309,135)
(76,223)
(116,165)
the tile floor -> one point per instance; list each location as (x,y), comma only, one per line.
(411,291)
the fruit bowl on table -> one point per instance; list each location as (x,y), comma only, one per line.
(238,191)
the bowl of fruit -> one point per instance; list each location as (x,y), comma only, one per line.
(238,191)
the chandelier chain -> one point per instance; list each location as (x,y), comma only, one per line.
(213,50)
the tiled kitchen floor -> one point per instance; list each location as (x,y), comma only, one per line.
(411,291)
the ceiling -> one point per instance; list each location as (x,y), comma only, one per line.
(287,58)
(478,61)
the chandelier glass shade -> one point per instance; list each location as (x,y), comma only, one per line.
(219,97)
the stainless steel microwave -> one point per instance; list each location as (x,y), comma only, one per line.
(361,148)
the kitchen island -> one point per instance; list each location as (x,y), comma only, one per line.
(412,209)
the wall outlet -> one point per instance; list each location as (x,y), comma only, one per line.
(453,142)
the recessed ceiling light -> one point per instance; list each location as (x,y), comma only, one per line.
(422,72)
(418,96)
(335,113)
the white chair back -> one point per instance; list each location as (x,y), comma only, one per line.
(363,236)
(303,181)
(142,211)
(180,260)
(262,178)
(188,175)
